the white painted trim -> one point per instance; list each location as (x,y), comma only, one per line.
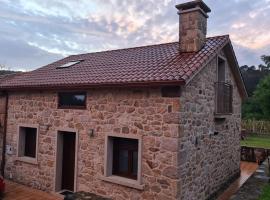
(25,158)
(193,10)
(76,156)
(123,181)
(108,170)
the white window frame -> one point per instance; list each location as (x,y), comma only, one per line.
(108,162)
(20,148)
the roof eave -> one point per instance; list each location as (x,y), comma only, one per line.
(236,70)
(208,60)
(89,86)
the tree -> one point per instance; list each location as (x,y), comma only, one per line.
(244,68)
(252,68)
(2,66)
(262,97)
(258,87)
(266,60)
(263,68)
(252,77)
(251,110)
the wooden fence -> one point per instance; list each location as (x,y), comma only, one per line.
(256,127)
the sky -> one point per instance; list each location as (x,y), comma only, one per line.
(34,33)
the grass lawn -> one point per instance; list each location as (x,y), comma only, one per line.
(256,141)
(265,194)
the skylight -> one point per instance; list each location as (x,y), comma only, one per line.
(69,64)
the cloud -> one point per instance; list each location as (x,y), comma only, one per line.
(59,28)
(248,25)
(249,56)
(239,25)
(20,56)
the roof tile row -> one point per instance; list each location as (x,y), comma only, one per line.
(156,63)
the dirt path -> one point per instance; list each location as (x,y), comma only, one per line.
(247,169)
(15,191)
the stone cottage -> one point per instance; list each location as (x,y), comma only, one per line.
(153,122)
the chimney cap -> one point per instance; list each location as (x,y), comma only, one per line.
(193,4)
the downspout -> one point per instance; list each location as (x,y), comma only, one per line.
(4,137)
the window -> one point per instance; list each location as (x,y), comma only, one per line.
(221,70)
(69,64)
(122,164)
(27,143)
(72,100)
(171,91)
(224,98)
(223,90)
(125,157)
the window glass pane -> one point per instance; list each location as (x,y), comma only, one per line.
(171,91)
(69,64)
(125,157)
(30,142)
(123,161)
(135,163)
(72,99)
(221,70)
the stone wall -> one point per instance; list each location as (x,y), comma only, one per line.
(207,161)
(2,122)
(181,158)
(192,30)
(127,111)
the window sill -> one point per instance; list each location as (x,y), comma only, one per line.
(222,116)
(27,160)
(72,107)
(123,181)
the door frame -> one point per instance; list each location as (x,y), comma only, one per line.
(56,176)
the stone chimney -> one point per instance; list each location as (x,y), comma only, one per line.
(192,25)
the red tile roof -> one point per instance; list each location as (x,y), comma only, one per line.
(5,77)
(160,64)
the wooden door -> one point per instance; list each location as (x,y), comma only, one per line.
(68,162)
